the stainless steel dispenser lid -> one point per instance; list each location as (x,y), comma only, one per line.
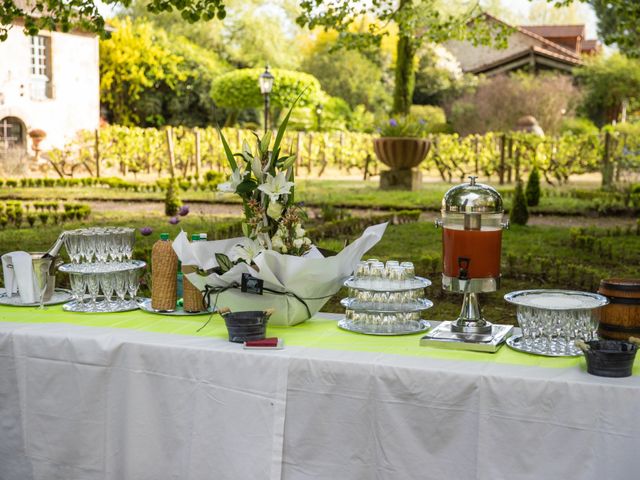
(472,197)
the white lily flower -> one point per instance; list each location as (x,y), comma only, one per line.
(274,210)
(299,231)
(256,168)
(231,186)
(278,244)
(276,186)
(247,252)
(298,242)
(306,240)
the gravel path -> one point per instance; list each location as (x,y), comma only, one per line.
(236,210)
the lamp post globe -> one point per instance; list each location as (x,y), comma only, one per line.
(265,81)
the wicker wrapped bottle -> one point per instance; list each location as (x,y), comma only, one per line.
(193,301)
(164,280)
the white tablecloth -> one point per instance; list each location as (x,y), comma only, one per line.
(97,403)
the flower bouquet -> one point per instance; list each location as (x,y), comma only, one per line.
(275,264)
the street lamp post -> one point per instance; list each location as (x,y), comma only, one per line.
(319,109)
(265,81)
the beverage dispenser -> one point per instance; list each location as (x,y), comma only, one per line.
(471,246)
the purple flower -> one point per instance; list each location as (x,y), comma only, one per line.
(146,231)
(174,220)
(393,122)
(422,121)
(184,211)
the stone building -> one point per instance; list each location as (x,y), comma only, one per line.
(48,82)
(534,48)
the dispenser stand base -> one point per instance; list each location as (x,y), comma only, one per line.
(442,336)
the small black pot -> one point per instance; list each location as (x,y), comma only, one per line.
(243,326)
(610,358)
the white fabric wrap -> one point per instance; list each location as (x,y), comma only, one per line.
(81,403)
(17,270)
(312,278)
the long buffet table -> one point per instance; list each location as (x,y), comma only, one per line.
(139,396)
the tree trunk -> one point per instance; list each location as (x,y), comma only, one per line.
(405,75)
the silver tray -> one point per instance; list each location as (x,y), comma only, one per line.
(145,304)
(442,337)
(85,307)
(60,295)
(557,300)
(108,267)
(414,284)
(415,306)
(423,326)
(515,342)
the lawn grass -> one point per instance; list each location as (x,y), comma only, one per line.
(533,256)
(339,193)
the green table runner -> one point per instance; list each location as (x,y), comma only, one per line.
(315,333)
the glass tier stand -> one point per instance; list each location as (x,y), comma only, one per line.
(105,287)
(382,307)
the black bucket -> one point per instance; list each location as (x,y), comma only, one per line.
(243,326)
(610,358)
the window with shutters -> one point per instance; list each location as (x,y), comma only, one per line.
(41,67)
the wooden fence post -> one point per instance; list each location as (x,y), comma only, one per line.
(171,150)
(501,167)
(97,152)
(198,155)
(309,164)
(607,167)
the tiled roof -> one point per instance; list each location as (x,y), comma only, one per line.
(570,61)
(556,30)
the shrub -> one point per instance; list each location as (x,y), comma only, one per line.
(18,218)
(31,218)
(213,176)
(237,89)
(4,221)
(12,183)
(519,214)
(172,201)
(44,217)
(533,188)
(499,102)
(578,126)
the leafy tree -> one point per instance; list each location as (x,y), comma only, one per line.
(618,24)
(150,79)
(519,214)
(66,14)
(532,192)
(608,83)
(417,21)
(439,77)
(347,74)
(253,33)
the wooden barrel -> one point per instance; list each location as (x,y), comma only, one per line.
(621,318)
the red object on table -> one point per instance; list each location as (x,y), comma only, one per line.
(265,342)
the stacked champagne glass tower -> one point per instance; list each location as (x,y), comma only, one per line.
(103,276)
(385,299)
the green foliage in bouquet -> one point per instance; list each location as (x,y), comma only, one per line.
(263,176)
(533,188)
(519,214)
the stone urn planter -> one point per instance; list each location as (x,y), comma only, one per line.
(401,155)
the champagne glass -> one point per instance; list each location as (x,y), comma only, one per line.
(77,288)
(133,283)
(107,284)
(93,286)
(120,281)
